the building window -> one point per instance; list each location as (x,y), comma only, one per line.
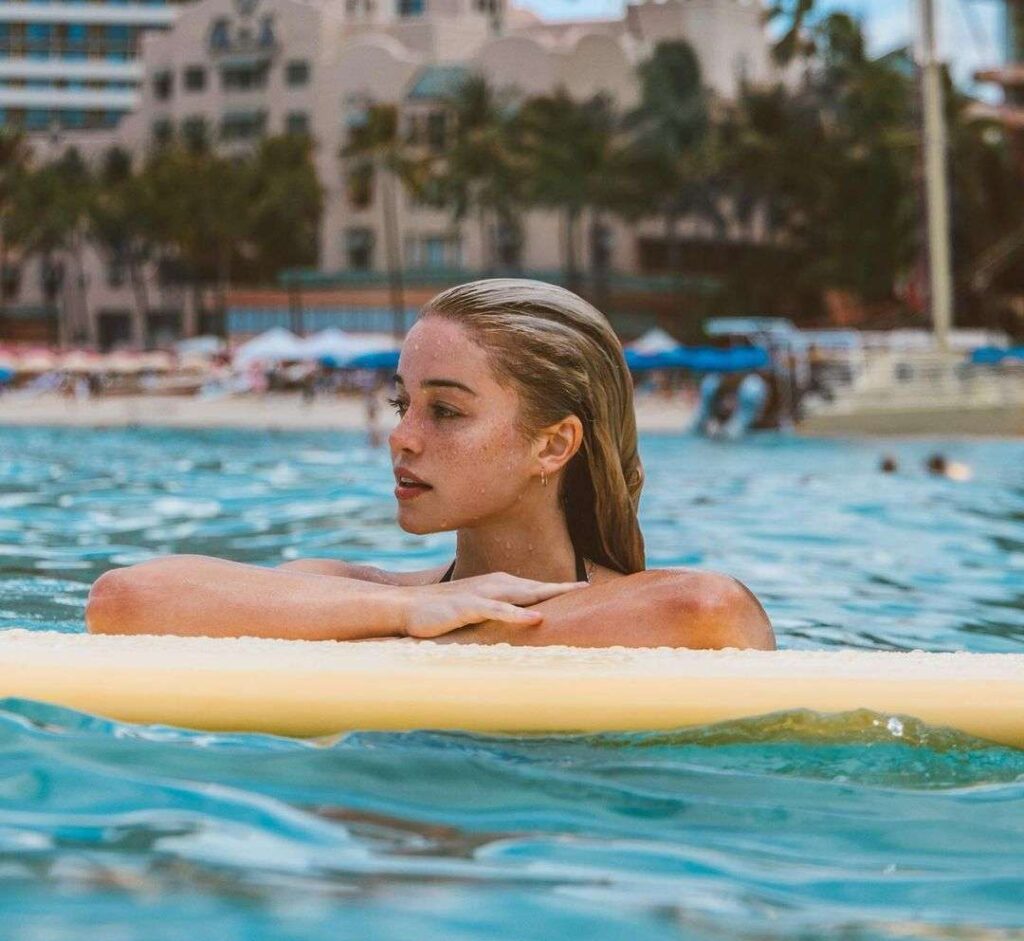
(10,281)
(194,132)
(359,249)
(411,7)
(220,37)
(359,180)
(116,270)
(434,252)
(508,243)
(195,78)
(161,130)
(297,72)
(244,77)
(436,130)
(73,118)
(267,39)
(37,119)
(296,122)
(163,85)
(430,194)
(51,277)
(242,125)
(601,243)
(359,7)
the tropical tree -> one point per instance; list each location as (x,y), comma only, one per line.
(832,166)
(376,152)
(14,164)
(201,214)
(571,153)
(673,143)
(284,205)
(49,218)
(121,225)
(480,173)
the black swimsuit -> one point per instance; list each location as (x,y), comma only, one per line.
(581,569)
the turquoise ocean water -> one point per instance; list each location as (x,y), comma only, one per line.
(791,826)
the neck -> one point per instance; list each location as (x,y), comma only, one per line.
(537,547)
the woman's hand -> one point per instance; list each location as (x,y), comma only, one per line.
(433,610)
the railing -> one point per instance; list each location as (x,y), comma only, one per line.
(68,48)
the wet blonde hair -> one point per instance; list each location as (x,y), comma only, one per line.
(562,357)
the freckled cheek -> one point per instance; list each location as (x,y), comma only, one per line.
(487,461)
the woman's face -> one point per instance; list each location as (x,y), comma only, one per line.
(458,433)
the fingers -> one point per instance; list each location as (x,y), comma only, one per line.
(509,613)
(539,591)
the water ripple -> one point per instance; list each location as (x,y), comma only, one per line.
(796,825)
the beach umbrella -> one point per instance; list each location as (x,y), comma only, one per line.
(199,346)
(156,361)
(80,361)
(274,346)
(122,363)
(36,361)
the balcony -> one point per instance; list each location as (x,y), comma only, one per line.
(131,14)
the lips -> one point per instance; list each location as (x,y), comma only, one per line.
(409,486)
(406,478)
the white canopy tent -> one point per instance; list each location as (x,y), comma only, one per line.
(654,341)
(339,345)
(274,346)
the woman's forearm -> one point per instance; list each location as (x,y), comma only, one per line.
(200,595)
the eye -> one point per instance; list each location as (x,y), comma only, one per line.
(399,405)
(442,411)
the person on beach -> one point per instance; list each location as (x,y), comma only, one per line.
(517,431)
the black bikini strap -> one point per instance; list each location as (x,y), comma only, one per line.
(581,569)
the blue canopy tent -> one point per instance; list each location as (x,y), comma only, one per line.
(377,359)
(993,355)
(701,359)
(696,358)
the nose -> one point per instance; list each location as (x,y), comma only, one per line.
(405,437)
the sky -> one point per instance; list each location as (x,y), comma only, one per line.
(969,30)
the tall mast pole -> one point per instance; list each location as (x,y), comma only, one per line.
(936,169)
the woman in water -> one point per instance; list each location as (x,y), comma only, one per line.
(517,431)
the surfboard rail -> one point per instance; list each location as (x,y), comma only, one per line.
(312,688)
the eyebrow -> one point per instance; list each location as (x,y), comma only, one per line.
(436,384)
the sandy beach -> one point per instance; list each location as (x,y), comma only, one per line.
(275,412)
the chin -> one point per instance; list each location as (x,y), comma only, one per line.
(408,522)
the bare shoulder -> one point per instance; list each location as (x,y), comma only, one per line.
(711,609)
(365,573)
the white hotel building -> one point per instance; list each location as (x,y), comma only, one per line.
(73,63)
(234,70)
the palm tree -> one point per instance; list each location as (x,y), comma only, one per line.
(568,149)
(672,140)
(49,217)
(201,212)
(479,172)
(121,223)
(375,148)
(285,203)
(14,164)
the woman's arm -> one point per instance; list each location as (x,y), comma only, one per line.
(201,595)
(656,608)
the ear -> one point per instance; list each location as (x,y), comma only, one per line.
(557,444)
